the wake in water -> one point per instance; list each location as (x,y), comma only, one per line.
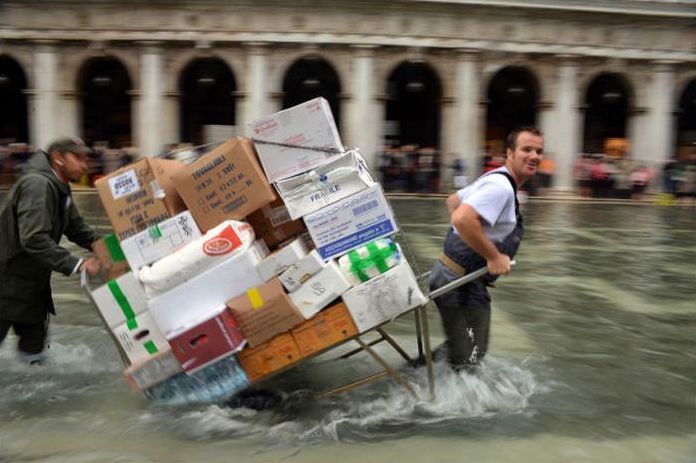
(380,411)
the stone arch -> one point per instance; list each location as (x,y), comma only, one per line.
(685,120)
(285,61)
(74,63)
(14,117)
(105,89)
(207,89)
(177,62)
(608,100)
(386,68)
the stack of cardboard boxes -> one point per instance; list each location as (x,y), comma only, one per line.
(240,304)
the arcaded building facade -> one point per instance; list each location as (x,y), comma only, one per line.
(453,75)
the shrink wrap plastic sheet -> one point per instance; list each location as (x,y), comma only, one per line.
(368,261)
(219,244)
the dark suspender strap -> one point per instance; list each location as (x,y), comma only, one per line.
(518,216)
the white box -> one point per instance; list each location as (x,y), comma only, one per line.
(351,222)
(384,297)
(141,338)
(189,302)
(308,124)
(341,177)
(320,290)
(299,272)
(281,259)
(160,240)
(120,299)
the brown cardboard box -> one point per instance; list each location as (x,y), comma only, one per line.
(226,183)
(272,224)
(325,329)
(264,311)
(139,195)
(108,252)
(271,356)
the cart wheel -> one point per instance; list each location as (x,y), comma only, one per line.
(258,399)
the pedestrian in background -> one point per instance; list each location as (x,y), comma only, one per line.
(486,231)
(38,210)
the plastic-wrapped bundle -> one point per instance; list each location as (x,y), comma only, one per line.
(214,383)
(368,261)
(222,242)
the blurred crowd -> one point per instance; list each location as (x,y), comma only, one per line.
(415,169)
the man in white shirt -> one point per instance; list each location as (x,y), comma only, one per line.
(486,231)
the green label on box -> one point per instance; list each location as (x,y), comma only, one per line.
(114,248)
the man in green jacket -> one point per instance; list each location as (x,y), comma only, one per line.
(36,213)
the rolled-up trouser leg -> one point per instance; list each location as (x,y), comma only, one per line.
(465,313)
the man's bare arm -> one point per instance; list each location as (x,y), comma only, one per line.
(452,203)
(468,224)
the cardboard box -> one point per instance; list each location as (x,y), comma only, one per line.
(264,311)
(273,225)
(299,272)
(188,302)
(351,222)
(140,338)
(110,255)
(212,384)
(283,258)
(160,240)
(320,290)
(152,371)
(269,357)
(325,329)
(226,183)
(139,195)
(308,124)
(215,337)
(343,176)
(384,297)
(120,300)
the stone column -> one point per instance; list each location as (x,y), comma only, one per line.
(465,130)
(660,103)
(257,102)
(567,124)
(362,115)
(43,107)
(70,119)
(150,127)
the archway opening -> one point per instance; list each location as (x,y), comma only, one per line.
(14,125)
(513,98)
(106,103)
(686,123)
(607,103)
(208,101)
(311,77)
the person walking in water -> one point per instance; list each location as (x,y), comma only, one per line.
(486,231)
(38,210)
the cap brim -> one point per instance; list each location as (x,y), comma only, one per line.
(80,149)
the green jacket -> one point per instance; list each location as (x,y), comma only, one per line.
(37,211)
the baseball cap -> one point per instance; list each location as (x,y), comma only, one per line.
(72,144)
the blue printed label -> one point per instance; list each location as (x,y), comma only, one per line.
(356,239)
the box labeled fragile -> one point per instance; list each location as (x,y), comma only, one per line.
(325,329)
(216,336)
(120,299)
(351,222)
(160,240)
(225,183)
(341,177)
(320,290)
(269,357)
(140,338)
(278,261)
(384,297)
(139,195)
(310,124)
(264,311)
(187,302)
(152,371)
(299,272)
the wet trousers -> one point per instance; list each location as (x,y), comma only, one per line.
(32,336)
(466,317)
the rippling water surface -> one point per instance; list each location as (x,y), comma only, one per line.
(593,359)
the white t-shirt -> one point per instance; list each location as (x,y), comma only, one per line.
(493,198)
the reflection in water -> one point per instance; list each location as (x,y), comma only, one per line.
(592,359)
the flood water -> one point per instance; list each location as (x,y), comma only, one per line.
(592,359)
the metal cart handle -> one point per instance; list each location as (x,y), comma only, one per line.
(469,277)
